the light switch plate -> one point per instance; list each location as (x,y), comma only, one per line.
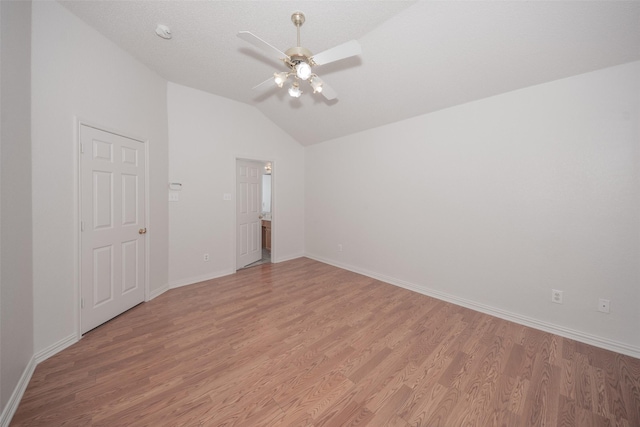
(226,196)
(174,197)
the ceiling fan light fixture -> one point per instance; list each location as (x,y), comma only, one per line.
(294,90)
(316,84)
(303,70)
(280,78)
(300,61)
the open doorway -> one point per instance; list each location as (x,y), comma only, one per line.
(254,212)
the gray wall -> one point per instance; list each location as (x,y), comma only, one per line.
(16,279)
(206,134)
(493,203)
(79,74)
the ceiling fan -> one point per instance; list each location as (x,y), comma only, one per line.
(300,61)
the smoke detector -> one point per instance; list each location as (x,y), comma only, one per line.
(163,31)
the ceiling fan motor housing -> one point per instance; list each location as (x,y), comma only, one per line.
(299,54)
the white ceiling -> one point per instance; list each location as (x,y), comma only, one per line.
(417,57)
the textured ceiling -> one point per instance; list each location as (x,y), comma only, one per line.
(417,57)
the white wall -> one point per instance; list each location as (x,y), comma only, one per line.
(79,73)
(206,134)
(493,203)
(16,280)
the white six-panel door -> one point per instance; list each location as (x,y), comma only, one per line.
(112,225)
(248,212)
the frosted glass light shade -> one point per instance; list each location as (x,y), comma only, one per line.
(280,78)
(316,84)
(303,70)
(295,91)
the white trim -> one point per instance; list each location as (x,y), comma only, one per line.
(14,400)
(194,280)
(204,278)
(108,129)
(274,217)
(147,222)
(289,258)
(77,199)
(55,348)
(562,331)
(157,292)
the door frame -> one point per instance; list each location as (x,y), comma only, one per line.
(235,209)
(79,122)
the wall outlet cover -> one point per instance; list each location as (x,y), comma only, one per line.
(556,296)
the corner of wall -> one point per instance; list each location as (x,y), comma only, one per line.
(14,400)
(16,249)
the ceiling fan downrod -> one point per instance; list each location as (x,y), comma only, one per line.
(298,19)
(298,53)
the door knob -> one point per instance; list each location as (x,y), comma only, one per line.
(142,231)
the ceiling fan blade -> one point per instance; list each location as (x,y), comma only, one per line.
(265,84)
(328,92)
(258,42)
(344,50)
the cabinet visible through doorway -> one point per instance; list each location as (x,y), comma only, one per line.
(266,235)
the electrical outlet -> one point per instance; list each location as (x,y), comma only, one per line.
(556,296)
(339,248)
(205,257)
(603,305)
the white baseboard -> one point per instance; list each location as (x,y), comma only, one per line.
(198,279)
(18,392)
(607,344)
(194,280)
(157,292)
(56,347)
(14,400)
(287,258)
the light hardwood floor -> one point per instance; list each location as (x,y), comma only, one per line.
(303,343)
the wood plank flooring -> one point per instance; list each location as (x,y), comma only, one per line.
(303,343)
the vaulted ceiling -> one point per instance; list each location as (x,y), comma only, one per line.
(417,56)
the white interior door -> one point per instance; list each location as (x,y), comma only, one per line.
(248,212)
(113,225)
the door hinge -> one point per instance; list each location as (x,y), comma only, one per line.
(81,225)
(81,302)
(81,147)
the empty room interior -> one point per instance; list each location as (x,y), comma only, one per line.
(319,213)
